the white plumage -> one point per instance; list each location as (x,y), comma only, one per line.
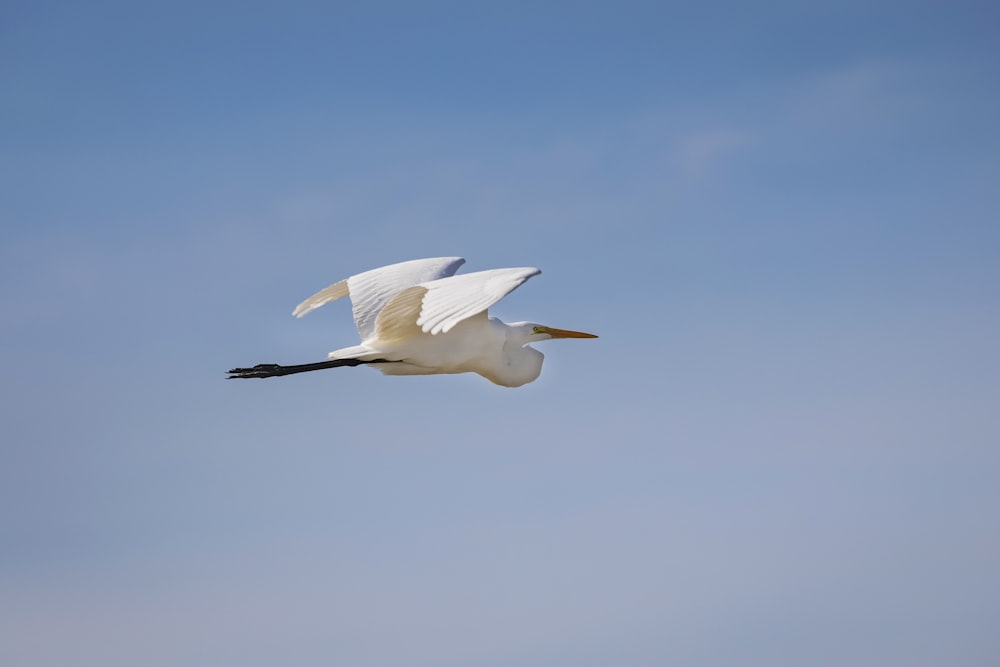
(419,318)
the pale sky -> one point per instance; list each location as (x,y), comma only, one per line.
(780,218)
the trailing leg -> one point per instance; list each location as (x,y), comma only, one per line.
(274,370)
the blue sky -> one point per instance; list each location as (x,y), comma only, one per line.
(781,219)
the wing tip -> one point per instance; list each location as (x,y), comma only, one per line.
(335,291)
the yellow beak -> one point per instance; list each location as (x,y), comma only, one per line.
(565,333)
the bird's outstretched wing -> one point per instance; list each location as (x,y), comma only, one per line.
(372,290)
(438,305)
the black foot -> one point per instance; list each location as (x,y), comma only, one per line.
(258,371)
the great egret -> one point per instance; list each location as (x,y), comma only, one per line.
(419,318)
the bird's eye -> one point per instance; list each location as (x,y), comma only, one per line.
(536,330)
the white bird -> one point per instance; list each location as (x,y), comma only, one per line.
(419,318)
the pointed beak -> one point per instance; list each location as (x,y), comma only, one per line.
(565,333)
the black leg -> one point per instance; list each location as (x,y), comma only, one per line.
(274,370)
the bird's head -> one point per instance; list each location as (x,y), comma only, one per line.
(523,363)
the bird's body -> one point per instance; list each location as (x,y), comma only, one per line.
(480,344)
(419,318)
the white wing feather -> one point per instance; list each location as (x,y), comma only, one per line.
(372,290)
(438,305)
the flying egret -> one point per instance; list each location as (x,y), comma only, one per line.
(419,318)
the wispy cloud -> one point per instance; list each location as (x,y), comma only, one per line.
(701,152)
(856,96)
